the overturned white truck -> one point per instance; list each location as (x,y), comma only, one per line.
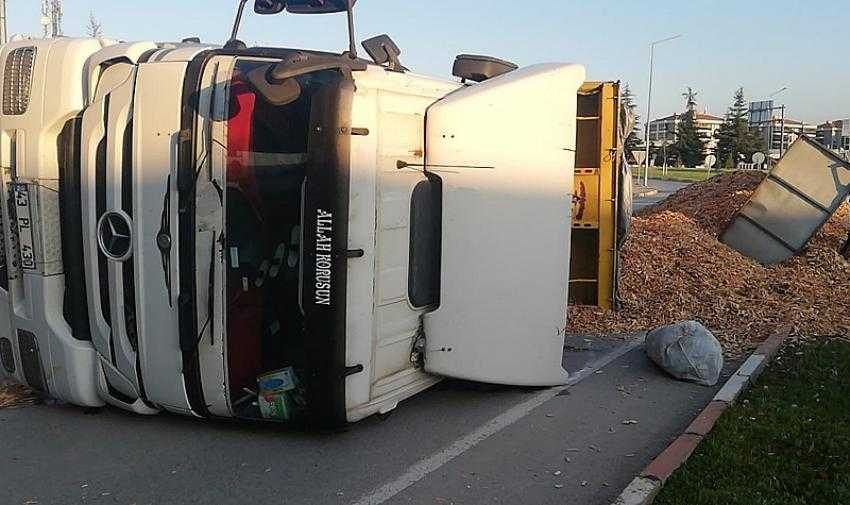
(274,233)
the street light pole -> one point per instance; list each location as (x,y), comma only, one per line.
(648,112)
(649,102)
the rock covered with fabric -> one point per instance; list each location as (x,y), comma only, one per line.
(687,351)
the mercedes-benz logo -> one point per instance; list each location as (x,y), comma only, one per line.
(114,232)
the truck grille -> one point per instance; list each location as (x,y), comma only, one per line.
(31,361)
(17,80)
(6,355)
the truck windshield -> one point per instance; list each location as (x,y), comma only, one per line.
(267,164)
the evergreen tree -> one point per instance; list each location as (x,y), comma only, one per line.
(94,28)
(690,144)
(735,140)
(634,140)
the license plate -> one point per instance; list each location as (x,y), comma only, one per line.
(26,244)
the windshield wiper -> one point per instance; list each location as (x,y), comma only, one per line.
(210,320)
(211,290)
(163,238)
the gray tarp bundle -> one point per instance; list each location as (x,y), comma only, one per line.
(687,351)
(625,201)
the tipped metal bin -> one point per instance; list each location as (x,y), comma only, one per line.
(795,200)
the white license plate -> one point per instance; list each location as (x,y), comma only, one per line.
(24,225)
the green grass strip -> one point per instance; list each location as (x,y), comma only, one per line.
(787,441)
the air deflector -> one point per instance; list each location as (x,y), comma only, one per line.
(506,226)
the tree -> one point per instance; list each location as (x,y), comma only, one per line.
(94,28)
(690,144)
(690,100)
(633,139)
(735,140)
(665,154)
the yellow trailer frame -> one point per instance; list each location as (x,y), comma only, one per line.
(595,251)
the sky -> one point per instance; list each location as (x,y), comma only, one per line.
(725,44)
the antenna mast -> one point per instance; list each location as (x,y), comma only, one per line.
(51,18)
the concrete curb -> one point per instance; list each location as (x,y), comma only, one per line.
(646,486)
(644,192)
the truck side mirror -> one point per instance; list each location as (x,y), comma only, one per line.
(477,68)
(275,92)
(318,6)
(267,7)
(383,51)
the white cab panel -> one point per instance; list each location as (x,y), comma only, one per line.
(127,52)
(505,152)
(381,324)
(156,127)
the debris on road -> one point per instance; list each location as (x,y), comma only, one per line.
(675,269)
(710,204)
(14,395)
(687,351)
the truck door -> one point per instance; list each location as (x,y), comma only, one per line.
(505,152)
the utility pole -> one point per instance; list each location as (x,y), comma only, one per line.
(781,124)
(768,126)
(3,37)
(649,101)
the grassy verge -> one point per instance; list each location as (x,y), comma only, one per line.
(681,174)
(787,441)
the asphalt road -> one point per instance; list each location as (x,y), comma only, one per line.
(665,189)
(459,443)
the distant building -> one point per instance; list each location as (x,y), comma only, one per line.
(779,133)
(835,135)
(777,130)
(663,131)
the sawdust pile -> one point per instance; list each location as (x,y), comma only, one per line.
(674,269)
(14,395)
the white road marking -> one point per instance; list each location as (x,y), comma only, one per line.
(423,467)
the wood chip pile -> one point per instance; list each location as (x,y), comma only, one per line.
(13,395)
(675,269)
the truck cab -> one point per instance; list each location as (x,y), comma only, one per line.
(281,234)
